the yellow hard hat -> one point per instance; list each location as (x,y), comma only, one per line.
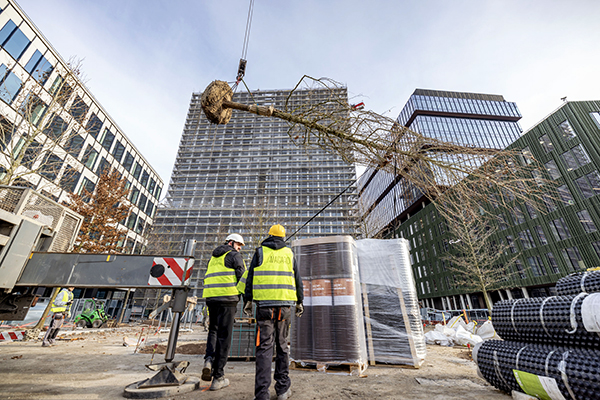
(277,230)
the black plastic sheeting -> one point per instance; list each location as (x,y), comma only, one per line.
(588,281)
(542,370)
(554,320)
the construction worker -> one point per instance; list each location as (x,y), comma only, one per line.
(61,309)
(274,284)
(225,269)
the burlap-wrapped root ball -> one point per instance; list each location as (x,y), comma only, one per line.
(212,102)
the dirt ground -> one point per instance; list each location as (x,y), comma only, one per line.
(98,366)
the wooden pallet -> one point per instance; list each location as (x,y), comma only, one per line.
(245,320)
(357,369)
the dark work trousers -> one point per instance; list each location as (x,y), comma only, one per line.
(220,328)
(55,325)
(273,327)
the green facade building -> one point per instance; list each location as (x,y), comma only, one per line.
(549,245)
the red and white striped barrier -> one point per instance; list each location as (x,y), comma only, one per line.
(170,271)
(12,335)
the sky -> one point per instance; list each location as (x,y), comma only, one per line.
(143,59)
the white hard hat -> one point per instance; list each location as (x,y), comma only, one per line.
(236,238)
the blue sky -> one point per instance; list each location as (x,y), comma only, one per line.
(143,59)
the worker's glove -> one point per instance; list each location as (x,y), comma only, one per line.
(69,302)
(299,310)
(248,308)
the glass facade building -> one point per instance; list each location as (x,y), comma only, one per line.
(562,239)
(247,175)
(471,119)
(80,141)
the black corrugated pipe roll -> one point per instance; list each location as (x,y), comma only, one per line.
(588,282)
(548,372)
(571,321)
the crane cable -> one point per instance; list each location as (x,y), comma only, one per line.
(243,60)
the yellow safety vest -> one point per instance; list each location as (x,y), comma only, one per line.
(219,280)
(274,278)
(64,296)
(241,286)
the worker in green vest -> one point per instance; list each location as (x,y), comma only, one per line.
(61,309)
(225,268)
(274,284)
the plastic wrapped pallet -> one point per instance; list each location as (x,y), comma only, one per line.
(331,331)
(394,330)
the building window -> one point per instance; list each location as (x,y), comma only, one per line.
(144,179)
(546,143)
(502,222)
(13,40)
(133,195)
(103,167)
(520,269)
(74,146)
(537,266)
(131,220)
(575,158)
(586,221)
(541,235)
(552,169)
(10,85)
(589,185)
(567,131)
(69,179)
(511,244)
(596,117)
(596,246)
(78,109)
(39,68)
(572,258)
(118,151)
(527,156)
(56,128)
(107,139)
(137,170)
(87,185)
(51,167)
(89,157)
(552,262)
(519,217)
(531,211)
(560,229)
(565,195)
(94,125)
(526,239)
(128,162)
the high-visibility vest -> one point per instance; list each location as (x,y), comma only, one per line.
(274,278)
(241,286)
(63,296)
(219,280)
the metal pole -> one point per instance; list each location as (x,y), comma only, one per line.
(178,304)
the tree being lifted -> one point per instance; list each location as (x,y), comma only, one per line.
(372,140)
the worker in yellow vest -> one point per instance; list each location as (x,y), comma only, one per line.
(61,309)
(225,268)
(274,284)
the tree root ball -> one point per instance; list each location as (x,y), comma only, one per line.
(212,102)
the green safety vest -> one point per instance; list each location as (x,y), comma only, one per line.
(219,280)
(274,278)
(64,296)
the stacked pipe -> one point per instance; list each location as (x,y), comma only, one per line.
(588,281)
(543,371)
(551,346)
(558,320)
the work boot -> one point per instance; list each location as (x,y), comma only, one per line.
(219,383)
(44,344)
(286,395)
(207,369)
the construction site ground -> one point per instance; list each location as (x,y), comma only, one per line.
(97,365)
